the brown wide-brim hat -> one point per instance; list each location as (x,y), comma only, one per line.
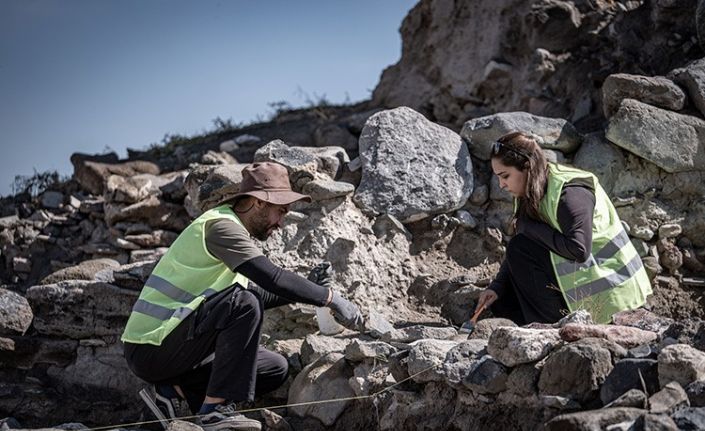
(269,182)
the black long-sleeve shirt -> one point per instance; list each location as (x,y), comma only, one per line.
(231,243)
(575,211)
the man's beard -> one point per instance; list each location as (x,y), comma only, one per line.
(261,229)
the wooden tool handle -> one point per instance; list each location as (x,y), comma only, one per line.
(479,311)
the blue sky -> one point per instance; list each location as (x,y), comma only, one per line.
(90,75)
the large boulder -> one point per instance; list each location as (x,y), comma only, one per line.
(692,77)
(515,346)
(657,91)
(412,168)
(680,363)
(325,379)
(575,371)
(80,309)
(674,142)
(208,186)
(602,158)
(549,133)
(92,175)
(85,270)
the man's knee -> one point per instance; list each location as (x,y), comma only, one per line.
(248,302)
(280,367)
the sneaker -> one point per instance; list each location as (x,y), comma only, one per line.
(164,408)
(225,417)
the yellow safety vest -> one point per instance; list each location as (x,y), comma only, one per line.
(613,277)
(185,276)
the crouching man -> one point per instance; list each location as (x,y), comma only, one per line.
(199,304)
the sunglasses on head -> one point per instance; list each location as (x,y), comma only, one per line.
(497,145)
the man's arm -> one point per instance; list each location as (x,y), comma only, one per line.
(231,243)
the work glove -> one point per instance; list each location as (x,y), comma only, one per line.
(322,274)
(346,313)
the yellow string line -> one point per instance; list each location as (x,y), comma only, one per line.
(335,400)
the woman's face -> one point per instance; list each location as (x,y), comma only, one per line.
(511,179)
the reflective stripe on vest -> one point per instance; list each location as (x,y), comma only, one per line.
(608,282)
(606,252)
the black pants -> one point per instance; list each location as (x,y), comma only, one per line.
(533,294)
(228,325)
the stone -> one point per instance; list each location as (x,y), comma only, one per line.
(156,238)
(651,266)
(669,399)
(575,371)
(425,356)
(325,379)
(376,325)
(549,133)
(465,219)
(92,175)
(419,332)
(653,90)
(680,363)
(618,352)
(330,159)
(208,186)
(461,359)
(601,157)
(641,247)
(623,335)
(523,379)
(21,264)
(696,393)
(52,199)
(692,77)
(488,376)
(674,142)
(670,230)
(86,270)
(301,165)
(514,346)
(690,418)
(274,422)
(322,189)
(358,350)
(579,317)
(134,188)
(485,327)
(593,419)
(80,309)
(632,398)
(15,313)
(401,177)
(317,346)
(653,422)
(179,425)
(217,158)
(627,374)
(153,211)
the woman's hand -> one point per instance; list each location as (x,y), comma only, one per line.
(487,297)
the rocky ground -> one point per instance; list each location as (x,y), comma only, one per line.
(406,209)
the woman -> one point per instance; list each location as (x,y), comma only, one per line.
(569,251)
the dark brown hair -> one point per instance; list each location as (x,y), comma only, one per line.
(519,150)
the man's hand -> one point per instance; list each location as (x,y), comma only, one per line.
(322,274)
(345,312)
(487,297)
